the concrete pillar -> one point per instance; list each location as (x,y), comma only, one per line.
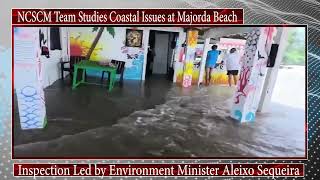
(28,78)
(203,60)
(252,73)
(272,72)
(179,60)
(192,40)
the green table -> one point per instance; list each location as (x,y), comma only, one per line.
(92,65)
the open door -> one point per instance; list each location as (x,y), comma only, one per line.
(161,53)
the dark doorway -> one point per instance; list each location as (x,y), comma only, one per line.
(161,52)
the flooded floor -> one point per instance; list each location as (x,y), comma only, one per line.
(158,119)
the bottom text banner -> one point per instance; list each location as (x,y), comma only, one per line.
(270,170)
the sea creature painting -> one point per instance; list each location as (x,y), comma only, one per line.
(243,81)
(132,56)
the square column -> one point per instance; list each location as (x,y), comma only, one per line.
(272,72)
(192,40)
(203,60)
(252,74)
(28,78)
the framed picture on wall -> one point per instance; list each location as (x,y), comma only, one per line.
(134,38)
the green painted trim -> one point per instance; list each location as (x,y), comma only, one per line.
(45,122)
(86,65)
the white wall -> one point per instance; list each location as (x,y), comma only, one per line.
(114,47)
(51,66)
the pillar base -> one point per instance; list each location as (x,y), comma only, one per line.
(247,117)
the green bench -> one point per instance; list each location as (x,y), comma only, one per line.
(92,65)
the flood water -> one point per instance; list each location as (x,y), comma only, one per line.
(191,122)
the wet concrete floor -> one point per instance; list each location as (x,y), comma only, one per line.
(158,119)
(91,106)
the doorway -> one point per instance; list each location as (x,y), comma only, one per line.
(161,53)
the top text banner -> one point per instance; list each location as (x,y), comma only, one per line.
(127,16)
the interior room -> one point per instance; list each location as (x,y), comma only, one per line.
(141,92)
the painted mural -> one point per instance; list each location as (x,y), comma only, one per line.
(81,41)
(252,74)
(219,75)
(111,45)
(197,63)
(28,78)
(5,88)
(135,56)
(180,65)
(192,39)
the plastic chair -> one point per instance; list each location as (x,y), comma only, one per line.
(120,70)
(70,68)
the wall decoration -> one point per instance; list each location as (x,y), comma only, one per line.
(134,62)
(237,115)
(187,79)
(179,78)
(30,107)
(124,49)
(180,64)
(132,56)
(97,38)
(250,116)
(80,43)
(111,45)
(192,38)
(243,81)
(108,47)
(90,42)
(135,70)
(134,38)
(197,63)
